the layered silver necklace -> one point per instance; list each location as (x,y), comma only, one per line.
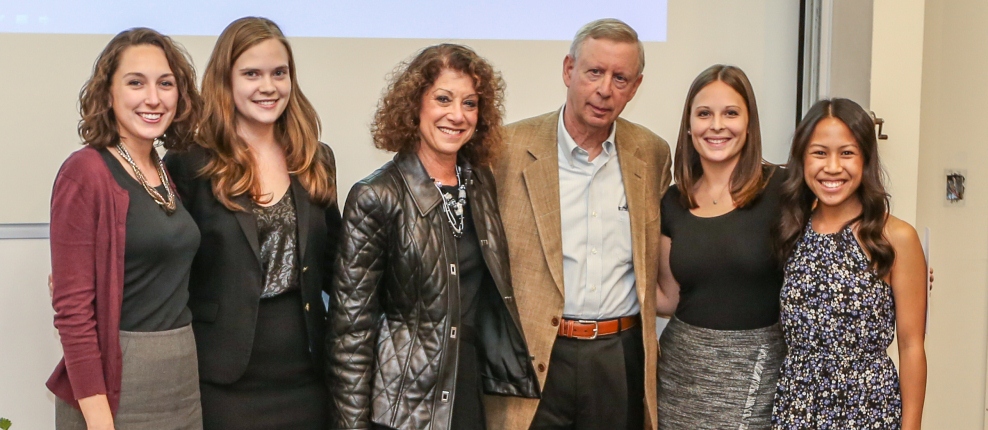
(166,203)
(455,208)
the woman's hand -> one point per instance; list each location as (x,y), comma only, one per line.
(96,410)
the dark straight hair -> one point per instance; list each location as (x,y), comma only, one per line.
(798,200)
(748,179)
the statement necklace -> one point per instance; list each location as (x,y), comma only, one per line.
(166,204)
(454,208)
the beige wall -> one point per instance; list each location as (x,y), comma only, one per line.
(928,62)
(954,111)
(896,78)
(29,347)
(344,78)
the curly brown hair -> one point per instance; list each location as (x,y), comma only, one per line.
(396,122)
(98,126)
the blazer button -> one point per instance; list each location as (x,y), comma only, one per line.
(305,269)
(541,367)
(555,322)
(306,307)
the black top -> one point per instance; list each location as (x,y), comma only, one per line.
(473,269)
(227,279)
(158,255)
(728,276)
(277,231)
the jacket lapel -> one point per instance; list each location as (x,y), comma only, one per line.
(248,223)
(420,185)
(302,210)
(633,177)
(542,182)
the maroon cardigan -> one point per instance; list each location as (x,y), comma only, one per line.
(88,226)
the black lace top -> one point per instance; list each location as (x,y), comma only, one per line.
(277,230)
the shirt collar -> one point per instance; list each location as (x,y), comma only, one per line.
(568,146)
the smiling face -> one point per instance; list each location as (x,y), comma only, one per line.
(719,123)
(448,115)
(143,94)
(833,165)
(600,81)
(261,84)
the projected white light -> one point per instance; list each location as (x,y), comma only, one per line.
(425,19)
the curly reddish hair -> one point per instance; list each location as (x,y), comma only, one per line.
(396,122)
(98,126)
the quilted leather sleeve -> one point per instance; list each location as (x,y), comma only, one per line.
(354,308)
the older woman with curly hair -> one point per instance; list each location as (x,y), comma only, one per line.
(422,315)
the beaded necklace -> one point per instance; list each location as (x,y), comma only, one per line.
(454,208)
(166,203)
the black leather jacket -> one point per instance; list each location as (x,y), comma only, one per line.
(391,343)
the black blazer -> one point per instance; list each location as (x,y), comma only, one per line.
(226,280)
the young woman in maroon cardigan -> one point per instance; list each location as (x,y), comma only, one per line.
(122,246)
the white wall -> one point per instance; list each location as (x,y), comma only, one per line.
(896,79)
(29,347)
(954,90)
(929,59)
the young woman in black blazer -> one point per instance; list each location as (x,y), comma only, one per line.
(262,189)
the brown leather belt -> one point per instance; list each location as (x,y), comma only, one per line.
(590,329)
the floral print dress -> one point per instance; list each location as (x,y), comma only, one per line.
(838,319)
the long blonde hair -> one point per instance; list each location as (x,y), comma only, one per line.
(231,167)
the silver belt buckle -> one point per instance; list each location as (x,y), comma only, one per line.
(596,327)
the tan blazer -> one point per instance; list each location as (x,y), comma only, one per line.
(527,177)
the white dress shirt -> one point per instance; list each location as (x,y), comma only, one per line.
(598,270)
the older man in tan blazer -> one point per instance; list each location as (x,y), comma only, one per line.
(579,192)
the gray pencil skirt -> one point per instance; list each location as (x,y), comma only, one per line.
(159,384)
(718,379)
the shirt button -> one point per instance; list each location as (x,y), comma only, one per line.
(593,251)
(541,367)
(594,214)
(306,307)
(305,269)
(555,322)
(593,288)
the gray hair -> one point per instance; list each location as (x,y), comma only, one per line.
(609,29)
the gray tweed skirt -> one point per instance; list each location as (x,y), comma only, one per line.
(159,384)
(718,379)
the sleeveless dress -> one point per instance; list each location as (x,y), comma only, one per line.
(838,319)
